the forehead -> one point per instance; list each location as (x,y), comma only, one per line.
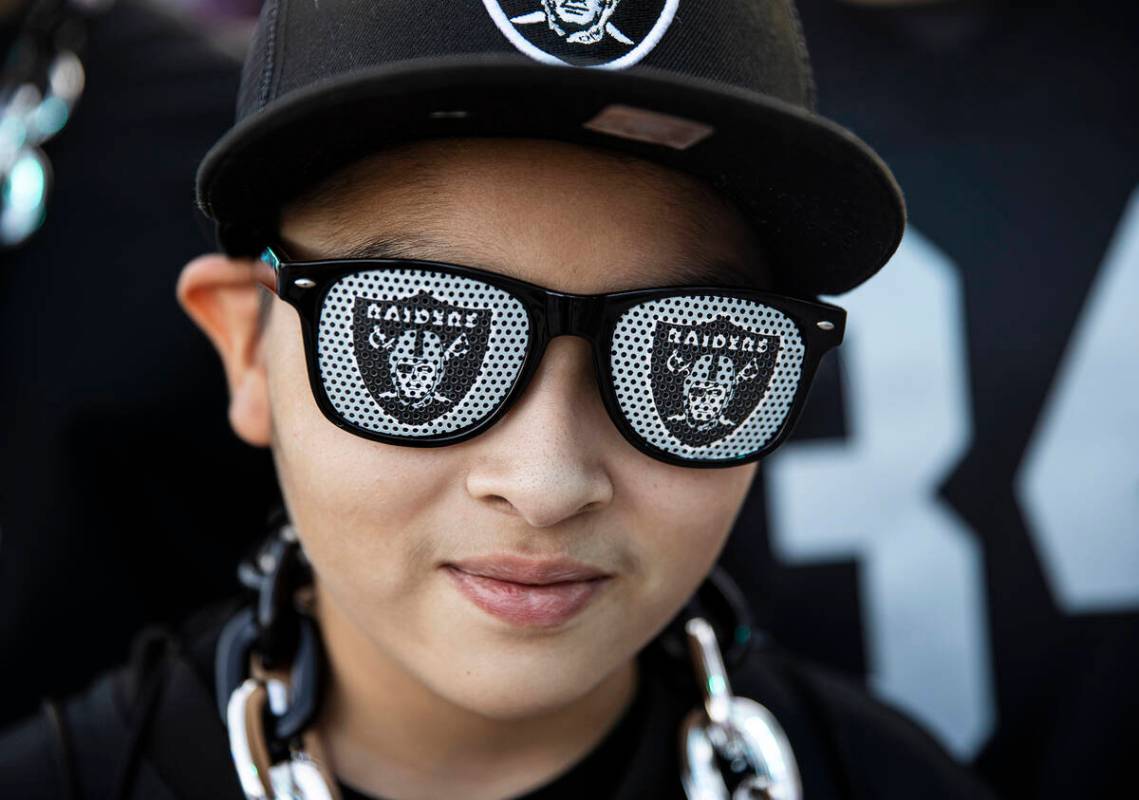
(558,215)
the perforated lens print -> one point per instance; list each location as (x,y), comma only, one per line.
(705,377)
(413,352)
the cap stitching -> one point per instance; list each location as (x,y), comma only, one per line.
(270,52)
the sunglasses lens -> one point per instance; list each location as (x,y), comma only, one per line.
(706,378)
(416,353)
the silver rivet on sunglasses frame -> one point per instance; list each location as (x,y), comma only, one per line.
(825,325)
(304,283)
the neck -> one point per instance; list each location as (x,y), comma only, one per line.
(386,733)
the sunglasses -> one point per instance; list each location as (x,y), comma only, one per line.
(425,354)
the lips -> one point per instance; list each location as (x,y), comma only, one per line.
(525,592)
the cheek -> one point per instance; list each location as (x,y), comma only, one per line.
(683,517)
(356,503)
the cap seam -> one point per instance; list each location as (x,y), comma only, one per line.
(267,71)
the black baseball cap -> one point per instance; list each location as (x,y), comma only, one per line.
(722,90)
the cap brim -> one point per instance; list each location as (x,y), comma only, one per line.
(828,212)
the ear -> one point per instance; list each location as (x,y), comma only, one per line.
(222,296)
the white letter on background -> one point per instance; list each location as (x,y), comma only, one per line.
(1079,482)
(874,497)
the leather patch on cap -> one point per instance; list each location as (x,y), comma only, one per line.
(653,127)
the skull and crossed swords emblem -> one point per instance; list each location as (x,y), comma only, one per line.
(418,356)
(577,21)
(708,378)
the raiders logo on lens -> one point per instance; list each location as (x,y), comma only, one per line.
(418,356)
(591,33)
(708,378)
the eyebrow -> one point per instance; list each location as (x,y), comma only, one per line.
(717,272)
(414,248)
(687,272)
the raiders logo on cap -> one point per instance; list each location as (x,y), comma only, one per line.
(418,356)
(597,33)
(708,378)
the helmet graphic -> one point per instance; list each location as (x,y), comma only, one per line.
(710,383)
(417,363)
(708,390)
(582,21)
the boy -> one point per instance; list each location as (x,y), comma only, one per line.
(532,359)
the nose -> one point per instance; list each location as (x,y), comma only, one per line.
(545,460)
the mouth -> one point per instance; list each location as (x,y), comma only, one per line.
(526,592)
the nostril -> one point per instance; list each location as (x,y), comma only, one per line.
(500,503)
(593,506)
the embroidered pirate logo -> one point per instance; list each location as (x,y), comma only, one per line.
(615,33)
(418,356)
(708,378)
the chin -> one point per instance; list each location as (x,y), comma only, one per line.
(518,697)
(512,681)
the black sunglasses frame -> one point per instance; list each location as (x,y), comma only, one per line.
(304,285)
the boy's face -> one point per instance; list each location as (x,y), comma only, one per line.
(408,544)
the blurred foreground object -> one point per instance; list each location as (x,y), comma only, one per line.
(124,498)
(41,81)
(977,551)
